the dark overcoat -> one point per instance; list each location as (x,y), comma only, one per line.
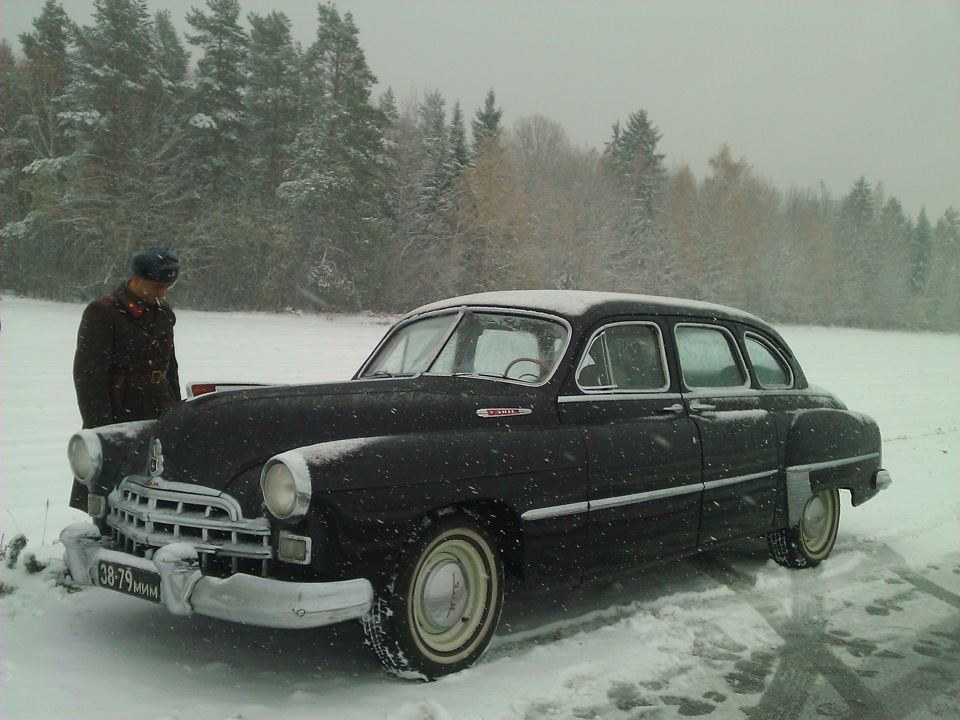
(125,367)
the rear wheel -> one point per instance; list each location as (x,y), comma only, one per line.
(810,541)
(439,611)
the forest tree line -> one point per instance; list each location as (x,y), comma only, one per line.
(283,184)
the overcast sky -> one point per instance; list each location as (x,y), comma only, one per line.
(806,91)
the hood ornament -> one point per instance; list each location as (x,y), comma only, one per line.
(155,464)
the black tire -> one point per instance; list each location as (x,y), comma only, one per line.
(439,611)
(811,540)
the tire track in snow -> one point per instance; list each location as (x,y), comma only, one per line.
(806,654)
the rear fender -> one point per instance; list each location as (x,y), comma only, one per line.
(829,448)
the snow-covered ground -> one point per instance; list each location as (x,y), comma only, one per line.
(873,633)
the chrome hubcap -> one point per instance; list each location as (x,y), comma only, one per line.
(445,595)
(818,525)
(814,518)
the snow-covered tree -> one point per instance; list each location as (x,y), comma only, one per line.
(33,143)
(45,75)
(334,182)
(217,119)
(737,217)
(637,164)
(272,99)
(486,122)
(857,242)
(112,194)
(943,286)
(921,241)
(458,137)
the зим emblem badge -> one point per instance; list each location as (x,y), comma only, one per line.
(155,465)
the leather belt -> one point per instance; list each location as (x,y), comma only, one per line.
(154,378)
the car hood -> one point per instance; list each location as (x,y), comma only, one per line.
(222,440)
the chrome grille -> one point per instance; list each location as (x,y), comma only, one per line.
(148,513)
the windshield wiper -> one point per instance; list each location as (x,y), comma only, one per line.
(493,376)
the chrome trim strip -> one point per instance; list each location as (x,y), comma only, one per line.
(555,511)
(724,482)
(638,498)
(613,397)
(813,467)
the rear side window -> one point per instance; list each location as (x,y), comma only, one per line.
(771,369)
(709,357)
(624,357)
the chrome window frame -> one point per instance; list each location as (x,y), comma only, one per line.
(777,355)
(460,312)
(616,389)
(737,356)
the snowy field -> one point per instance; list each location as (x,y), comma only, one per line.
(872,633)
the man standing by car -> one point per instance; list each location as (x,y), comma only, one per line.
(125,366)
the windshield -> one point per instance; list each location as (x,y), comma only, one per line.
(512,346)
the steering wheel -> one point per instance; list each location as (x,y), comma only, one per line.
(543,366)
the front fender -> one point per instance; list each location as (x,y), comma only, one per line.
(375,488)
(120,449)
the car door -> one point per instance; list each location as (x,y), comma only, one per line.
(737,434)
(642,449)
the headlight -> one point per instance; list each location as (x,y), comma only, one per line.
(85,455)
(286,490)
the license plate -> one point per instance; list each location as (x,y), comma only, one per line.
(129,580)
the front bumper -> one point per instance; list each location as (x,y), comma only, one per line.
(248,599)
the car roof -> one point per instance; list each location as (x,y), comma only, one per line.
(584,305)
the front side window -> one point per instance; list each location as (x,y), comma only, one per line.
(709,357)
(501,345)
(624,357)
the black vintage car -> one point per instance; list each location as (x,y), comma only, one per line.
(550,435)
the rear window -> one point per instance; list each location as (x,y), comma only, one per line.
(769,366)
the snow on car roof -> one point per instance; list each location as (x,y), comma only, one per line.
(576,303)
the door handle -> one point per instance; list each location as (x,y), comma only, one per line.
(698,407)
(675,409)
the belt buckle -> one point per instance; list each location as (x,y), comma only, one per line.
(157,377)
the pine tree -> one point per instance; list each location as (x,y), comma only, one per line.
(34,144)
(921,241)
(217,121)
(858,248)
(33,129)
(334,182)
(272,99)
(636,162)
(637,169)
(486,123)
(458,138)
(168,52)
(442,166)
(892,285)
(108,199)
(943,286)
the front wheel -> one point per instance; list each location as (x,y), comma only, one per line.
(810,541)
(439,611)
